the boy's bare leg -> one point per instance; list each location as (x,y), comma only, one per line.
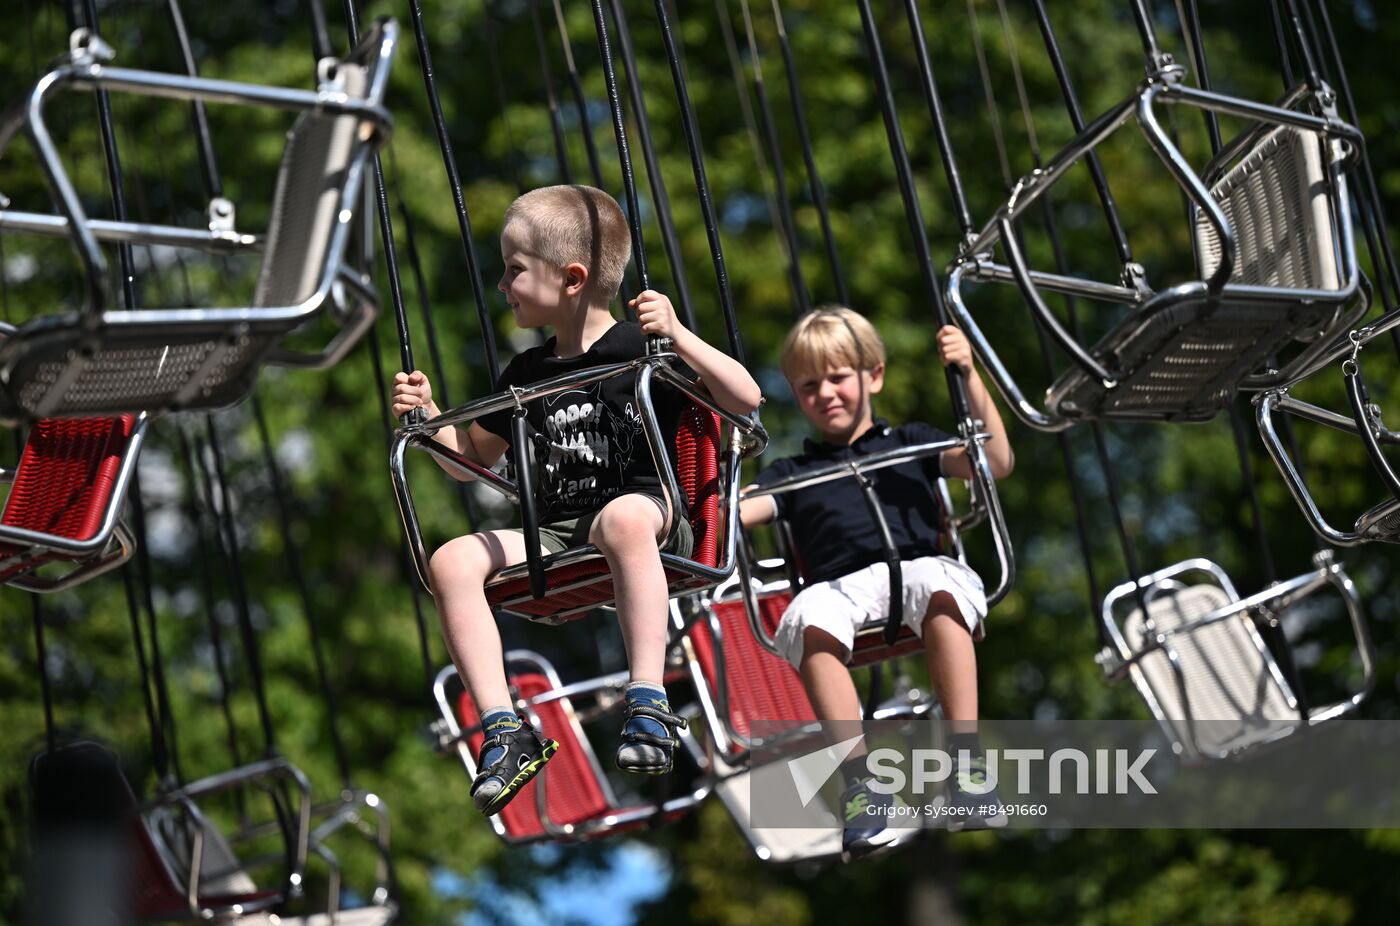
(830,687)
(459,571)
(952,664)
(625,531)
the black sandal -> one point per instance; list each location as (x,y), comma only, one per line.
(665,744)
(526,752)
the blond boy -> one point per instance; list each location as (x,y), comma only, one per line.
(834,361)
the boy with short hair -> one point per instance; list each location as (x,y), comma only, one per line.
(565,249)
(834,361)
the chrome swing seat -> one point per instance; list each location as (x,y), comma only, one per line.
(1199,662)
(1278,277)
(100,361)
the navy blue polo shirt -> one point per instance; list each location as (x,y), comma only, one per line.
(831,522)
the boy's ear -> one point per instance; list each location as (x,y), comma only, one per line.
(877,378)
(575,278)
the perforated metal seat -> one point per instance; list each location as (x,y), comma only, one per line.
(752,684)
(1272,208)
(65,499)
(102,362)
(1183,355)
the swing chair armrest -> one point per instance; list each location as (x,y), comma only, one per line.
(194,239)
(755,436)
(1023,408)
(869,463)
(6,329)
(1264,408)
(1318,415)
(504,401)
(1032,187)
(1275,114)
(211,90)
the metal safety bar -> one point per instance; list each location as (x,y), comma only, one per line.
(748,438)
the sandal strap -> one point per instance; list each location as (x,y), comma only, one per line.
(641,709)
(637,737)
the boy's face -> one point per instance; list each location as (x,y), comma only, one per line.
(534,288)
(837,400)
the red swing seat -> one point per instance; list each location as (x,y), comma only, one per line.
(64,498)
(570,800)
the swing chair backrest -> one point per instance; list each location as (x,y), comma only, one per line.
(1278,201)
(102,362)
(66,493)
(311,183)
(1276,213)
(1232,684)
(758,686)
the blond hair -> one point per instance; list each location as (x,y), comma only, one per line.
(575,224)
(829,338)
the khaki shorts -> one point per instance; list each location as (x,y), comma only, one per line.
(558,536)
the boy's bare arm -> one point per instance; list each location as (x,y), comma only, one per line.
(413,390)
(755,511)
(954,349)
(728,382)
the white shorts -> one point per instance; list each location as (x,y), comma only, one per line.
(841,606)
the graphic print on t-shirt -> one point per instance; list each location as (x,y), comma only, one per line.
(588,445)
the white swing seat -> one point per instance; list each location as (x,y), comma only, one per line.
(1201,665)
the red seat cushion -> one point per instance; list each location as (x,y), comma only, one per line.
(64,482)
(759,685)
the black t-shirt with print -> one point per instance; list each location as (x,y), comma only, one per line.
(589,445)
(831,522)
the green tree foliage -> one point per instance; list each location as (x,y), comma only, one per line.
(1183,490)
